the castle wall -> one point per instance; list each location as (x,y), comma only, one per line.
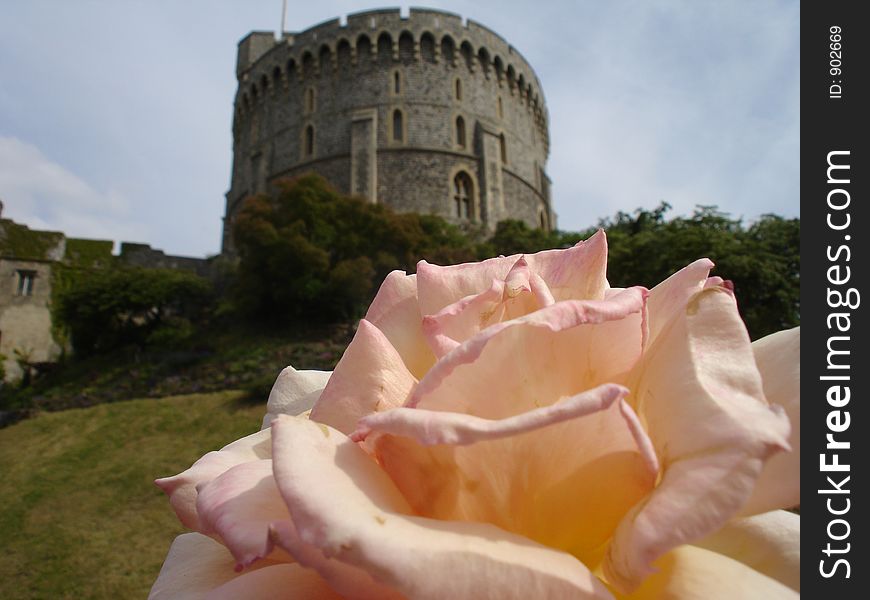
(299,105)
(27,261)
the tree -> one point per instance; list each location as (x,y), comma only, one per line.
(308,252)
(107,308)
(762,260)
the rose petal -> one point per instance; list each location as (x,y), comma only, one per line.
(668,298)
(507,474)
(690,572)
(519,365)
(504,300)
(195,564)
(768,543)
(436,427)
(700,396)
(577,273)
(275,582)
(181,488)
(294,392)
(370,377)
(779,361)
(457,322)
(395,312)
(347,580)
(239,505)
(343,503)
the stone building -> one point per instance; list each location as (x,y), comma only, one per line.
(422,113)
(29,261)
(26,333)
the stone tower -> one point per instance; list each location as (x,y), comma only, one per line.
(423,114)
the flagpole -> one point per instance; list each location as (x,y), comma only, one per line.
(283,19)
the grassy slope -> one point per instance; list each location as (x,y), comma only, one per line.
(79,514)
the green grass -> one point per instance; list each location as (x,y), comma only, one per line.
(80,516)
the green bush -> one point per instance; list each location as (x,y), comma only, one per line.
(309,252)
(761,260)
(105,308)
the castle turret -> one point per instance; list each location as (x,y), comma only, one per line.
(422,113)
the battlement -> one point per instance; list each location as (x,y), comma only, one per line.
(318,47)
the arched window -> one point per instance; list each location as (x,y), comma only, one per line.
(398,126)
(397,82)
(427,47)
(309,100)
(460,132)
(502,143)
(309,141)
(385,48)
(457,89)
(463,192)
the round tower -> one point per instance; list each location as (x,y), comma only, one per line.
(422,113)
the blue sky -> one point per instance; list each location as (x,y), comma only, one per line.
(115,114)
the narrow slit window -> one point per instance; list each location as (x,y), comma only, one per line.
(398,126)
(309,141)
(460,132)
(457,91)
(397,83)
(502,144)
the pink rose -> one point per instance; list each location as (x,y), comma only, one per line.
(513,428)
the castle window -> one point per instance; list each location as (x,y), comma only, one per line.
(398,126)
(448,49)
(309,100)
(397,82)
(309,141)
(462,195)
(460,132)
(25,282)
(457,89)
(500,108)
(406,48)
(427,47)
(385,48)
(502,144)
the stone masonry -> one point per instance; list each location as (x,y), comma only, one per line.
(423,114)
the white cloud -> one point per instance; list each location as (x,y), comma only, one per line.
(42,194)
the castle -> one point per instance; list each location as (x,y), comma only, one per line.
(421,113)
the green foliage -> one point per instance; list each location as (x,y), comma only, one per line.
(762,260)
(515,237)
(88,253)
(19,241)
(311,253)
(107,308)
